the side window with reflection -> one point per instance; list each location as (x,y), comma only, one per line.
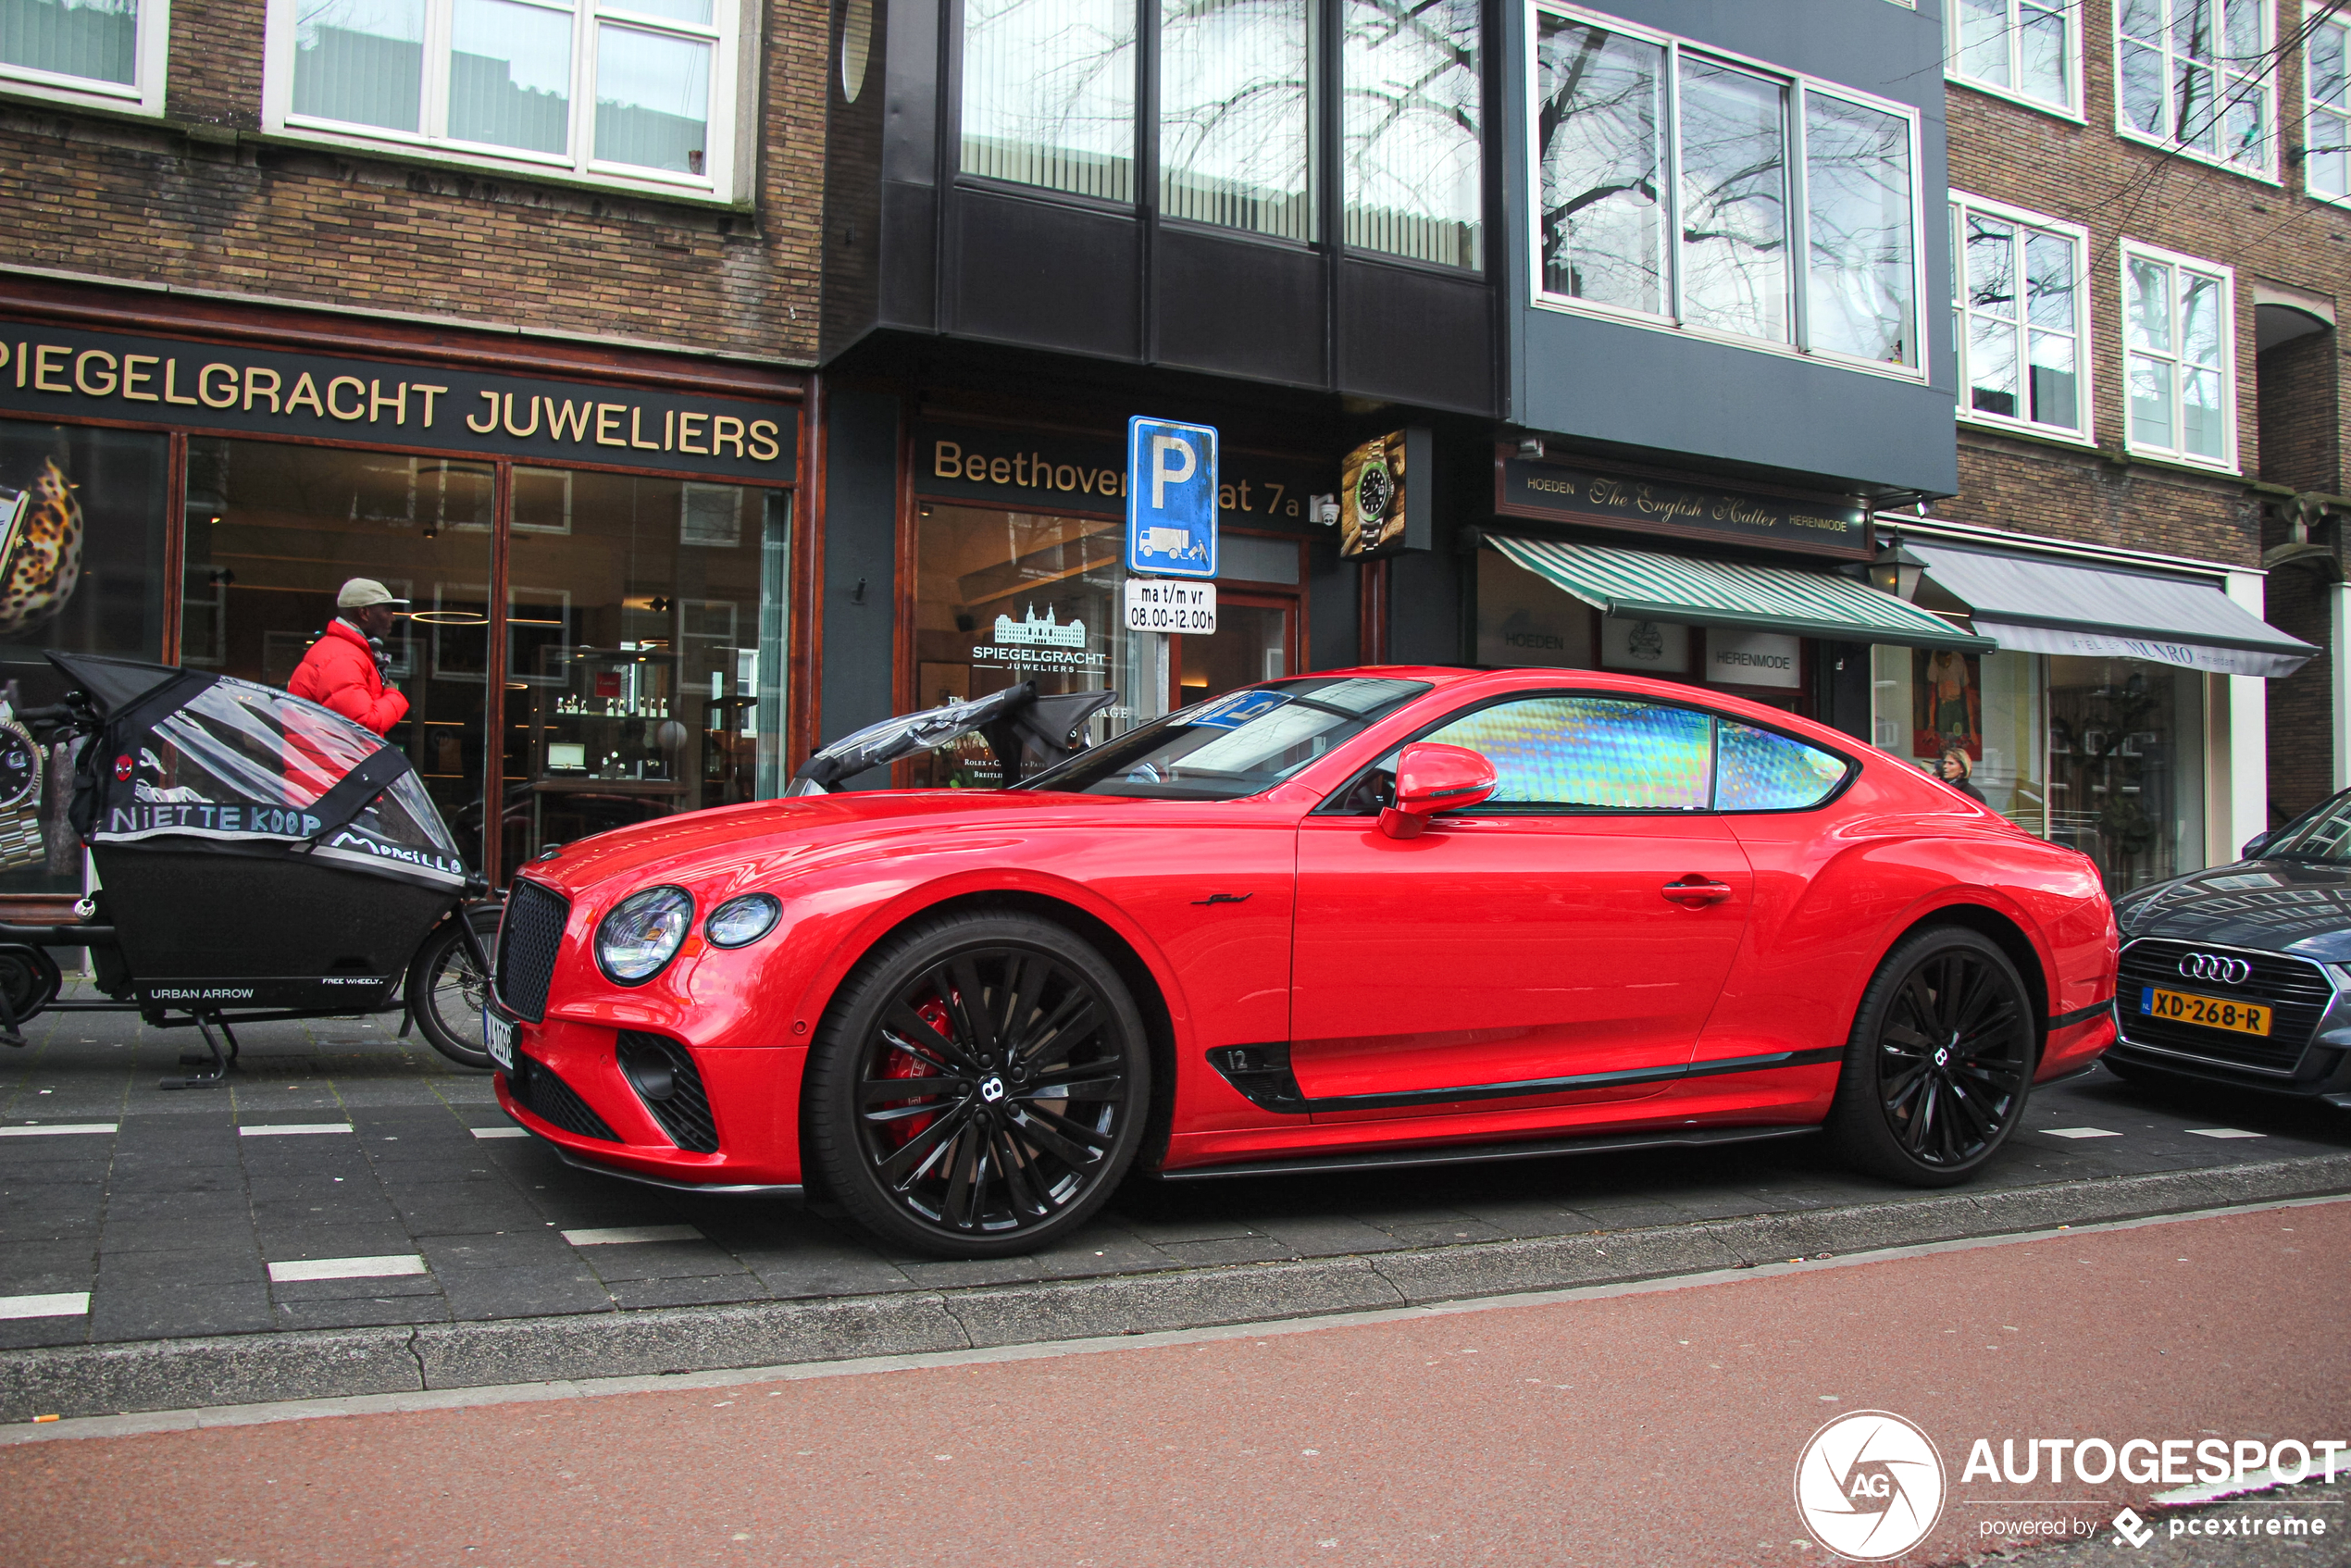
(1756,770)
(1589,753)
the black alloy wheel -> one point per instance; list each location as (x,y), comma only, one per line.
(446,990)
(978,1086)
(1940,1061)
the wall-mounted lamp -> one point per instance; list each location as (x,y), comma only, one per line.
(1898,573)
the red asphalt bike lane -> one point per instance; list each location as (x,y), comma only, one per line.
(1661,1427)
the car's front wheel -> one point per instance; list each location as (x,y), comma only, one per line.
(1940,1060)
(978,1086)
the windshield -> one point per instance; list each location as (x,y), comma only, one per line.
(1235,745)
(2324,835)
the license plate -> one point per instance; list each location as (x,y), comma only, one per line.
(498,1034)
(2212,1011)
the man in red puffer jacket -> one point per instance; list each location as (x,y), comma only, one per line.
(339,671)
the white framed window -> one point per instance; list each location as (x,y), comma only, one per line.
(2179,356)
(2020,318)
(2029,50)
(106,51)
(2326,114)
(1689,189)
(2194,76)
(636,93)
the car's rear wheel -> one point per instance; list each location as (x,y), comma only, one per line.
(978,1086)
(1940,1060)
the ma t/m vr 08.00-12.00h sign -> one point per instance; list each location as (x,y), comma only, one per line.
(1171,498)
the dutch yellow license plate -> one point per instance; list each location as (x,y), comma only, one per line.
(2212,1011)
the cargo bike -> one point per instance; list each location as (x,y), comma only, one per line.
(257,857)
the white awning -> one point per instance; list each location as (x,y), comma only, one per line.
(2035,605)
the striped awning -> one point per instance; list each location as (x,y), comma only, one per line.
(1643,585)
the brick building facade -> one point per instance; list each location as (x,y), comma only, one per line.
(507,307)
(2182,183)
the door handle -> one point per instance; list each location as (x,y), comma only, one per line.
(1695,891)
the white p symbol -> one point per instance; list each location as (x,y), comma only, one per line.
(1161,475)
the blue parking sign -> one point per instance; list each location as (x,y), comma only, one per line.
(1171,498)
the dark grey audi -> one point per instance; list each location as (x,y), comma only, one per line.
(2242,974)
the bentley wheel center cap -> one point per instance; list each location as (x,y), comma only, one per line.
(1943,1056)
(991,1088)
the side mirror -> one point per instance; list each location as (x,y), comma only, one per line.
(1430,778)
(2255,845)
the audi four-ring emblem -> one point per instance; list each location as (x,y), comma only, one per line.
(2215,966)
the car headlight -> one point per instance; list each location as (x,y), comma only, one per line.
(742,921)
(643,933)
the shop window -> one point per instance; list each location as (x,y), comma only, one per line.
(2126,767)
(2326,125)
(2024,49)
(1990,707)
(273,532)
(2021,316)
(1236,108)
(103,51)
(2194,76)
(82,572)
(1411,129)
(2179,325)
(1048,94)
(1817,252)
(1590,754)
(640,92)
(1523,620)
(645,651)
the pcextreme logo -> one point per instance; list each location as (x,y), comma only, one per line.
(1870,1486)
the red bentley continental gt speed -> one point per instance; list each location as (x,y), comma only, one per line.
(1381,916)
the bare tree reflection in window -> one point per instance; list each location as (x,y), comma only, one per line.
(1236,120)
(1862,281)
(1600,126)
(1411,128)
(1048,94)
(1734,217)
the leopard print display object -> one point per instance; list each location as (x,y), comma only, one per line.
(46,563)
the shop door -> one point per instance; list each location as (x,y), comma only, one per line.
(1256,640)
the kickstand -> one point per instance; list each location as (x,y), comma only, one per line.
(219,1062)
(9,1033)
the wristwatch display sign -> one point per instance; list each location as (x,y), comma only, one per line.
(21,842)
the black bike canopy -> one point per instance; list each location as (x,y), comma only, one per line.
(192,759)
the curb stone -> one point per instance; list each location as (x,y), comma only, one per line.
(107,1379)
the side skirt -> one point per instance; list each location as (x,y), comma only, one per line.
(1400,1159)
(1263,1075)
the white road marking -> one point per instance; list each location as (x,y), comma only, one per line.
(621,1236)
(286,1129)
(2223,1132)
(500,1132)
(383,1267)
(70,1303)
(2080,1132)
(57,1128)
(198,1418)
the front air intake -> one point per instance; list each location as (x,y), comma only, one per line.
(663,1073)
(537,1089)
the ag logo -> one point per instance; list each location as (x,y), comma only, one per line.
(1870,1486)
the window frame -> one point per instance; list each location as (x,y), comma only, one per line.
(1335,803)
(2130,249)
(2311,10)
(733,34)
(143,94)
(1796,86)
(2076,82)
(2084,347)
(2268,173)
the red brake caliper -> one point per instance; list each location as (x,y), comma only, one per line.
(906,1064)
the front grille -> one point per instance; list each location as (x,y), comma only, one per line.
(684,1110)
(2296,988)
(538,1091)
(527,940)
